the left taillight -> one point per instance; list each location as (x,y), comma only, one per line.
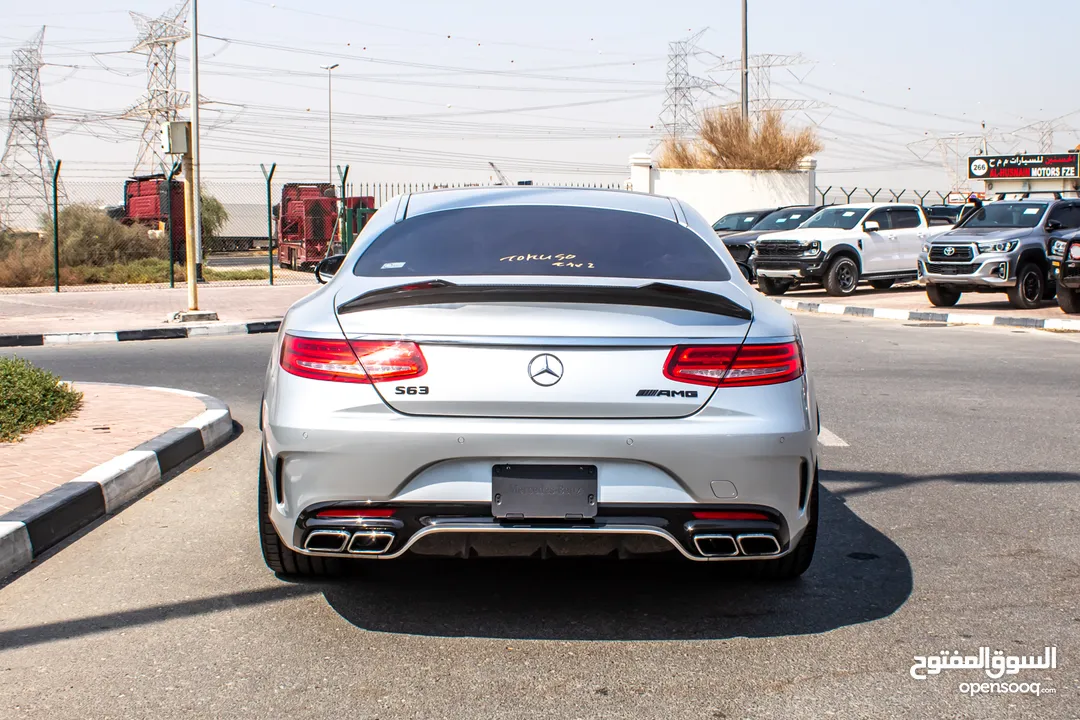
(735,365)
(356,361)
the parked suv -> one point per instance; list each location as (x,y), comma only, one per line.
(843,244)
(1000,247)
(741,244)
(739,221)
(1063,250)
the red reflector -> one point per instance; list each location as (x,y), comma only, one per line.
(734,365)
(355,513)
(729,515)
(358,361)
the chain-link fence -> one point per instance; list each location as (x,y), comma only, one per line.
(111,234)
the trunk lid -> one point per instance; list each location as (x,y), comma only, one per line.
(544,360)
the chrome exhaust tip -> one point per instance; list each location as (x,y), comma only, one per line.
(758,544)
(716,545)
(333,541)
(370,542)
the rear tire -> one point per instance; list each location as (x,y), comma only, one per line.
(881,284)
(773,286)
(795,563)
(1027,293)
(842,277)
(942,296)
(278,557)
(1069,300)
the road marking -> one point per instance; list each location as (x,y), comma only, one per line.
(830,439)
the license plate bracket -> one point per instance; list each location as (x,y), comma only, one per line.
(553,492)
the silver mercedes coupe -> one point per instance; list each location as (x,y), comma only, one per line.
(537,372)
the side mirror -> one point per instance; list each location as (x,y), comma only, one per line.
(871,226)
(327,268)
(1052,225)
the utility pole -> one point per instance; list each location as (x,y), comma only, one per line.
(745,70)
(176,139)
(196,200)
(330,119)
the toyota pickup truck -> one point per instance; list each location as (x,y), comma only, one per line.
(843,244)
(1001,247)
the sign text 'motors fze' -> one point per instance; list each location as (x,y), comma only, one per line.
(992,167)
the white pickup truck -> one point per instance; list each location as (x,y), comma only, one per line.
(843,244)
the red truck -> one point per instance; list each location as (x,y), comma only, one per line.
(145,203)
(307,222)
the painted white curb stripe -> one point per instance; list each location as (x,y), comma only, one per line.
(15,550)
(124,477)
(78,338)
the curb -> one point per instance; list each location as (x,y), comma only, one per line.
(157,333)
(35,526)
(953,318)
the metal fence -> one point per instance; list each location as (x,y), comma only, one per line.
(836,195)
(119,233)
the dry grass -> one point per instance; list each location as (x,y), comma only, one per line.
(728,142)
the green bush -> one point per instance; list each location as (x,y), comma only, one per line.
(33,268)
(30,397)
(88,236)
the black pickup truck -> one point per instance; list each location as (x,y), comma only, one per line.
(1063,251)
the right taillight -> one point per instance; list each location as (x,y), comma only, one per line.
(734,365)
(358,361)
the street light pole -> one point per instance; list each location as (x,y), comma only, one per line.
(330,118)
(197,208)
(745,68)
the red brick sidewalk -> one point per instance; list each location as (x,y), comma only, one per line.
(112,420)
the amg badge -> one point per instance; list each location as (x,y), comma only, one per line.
(667,393)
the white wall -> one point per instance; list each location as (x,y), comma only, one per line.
(714,193)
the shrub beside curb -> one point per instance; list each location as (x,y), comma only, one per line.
(31,397)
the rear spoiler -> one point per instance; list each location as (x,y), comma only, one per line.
(435,292)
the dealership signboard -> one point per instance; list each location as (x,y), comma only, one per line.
(999,167)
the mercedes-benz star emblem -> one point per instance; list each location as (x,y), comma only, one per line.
(545,370)
(950,250)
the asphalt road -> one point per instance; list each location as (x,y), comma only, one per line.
(949,522)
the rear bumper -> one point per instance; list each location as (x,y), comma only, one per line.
(468,530)
(750,448)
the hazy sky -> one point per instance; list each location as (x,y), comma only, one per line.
(429,91)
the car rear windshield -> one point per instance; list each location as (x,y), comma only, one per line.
(736,221)
(785,219)
(844,218)
(541,240)
(1006,214)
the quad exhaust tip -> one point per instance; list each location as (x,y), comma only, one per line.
(363,542)
(758,544)
(751,544)
(370,542)
(327,540)
(716,545)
